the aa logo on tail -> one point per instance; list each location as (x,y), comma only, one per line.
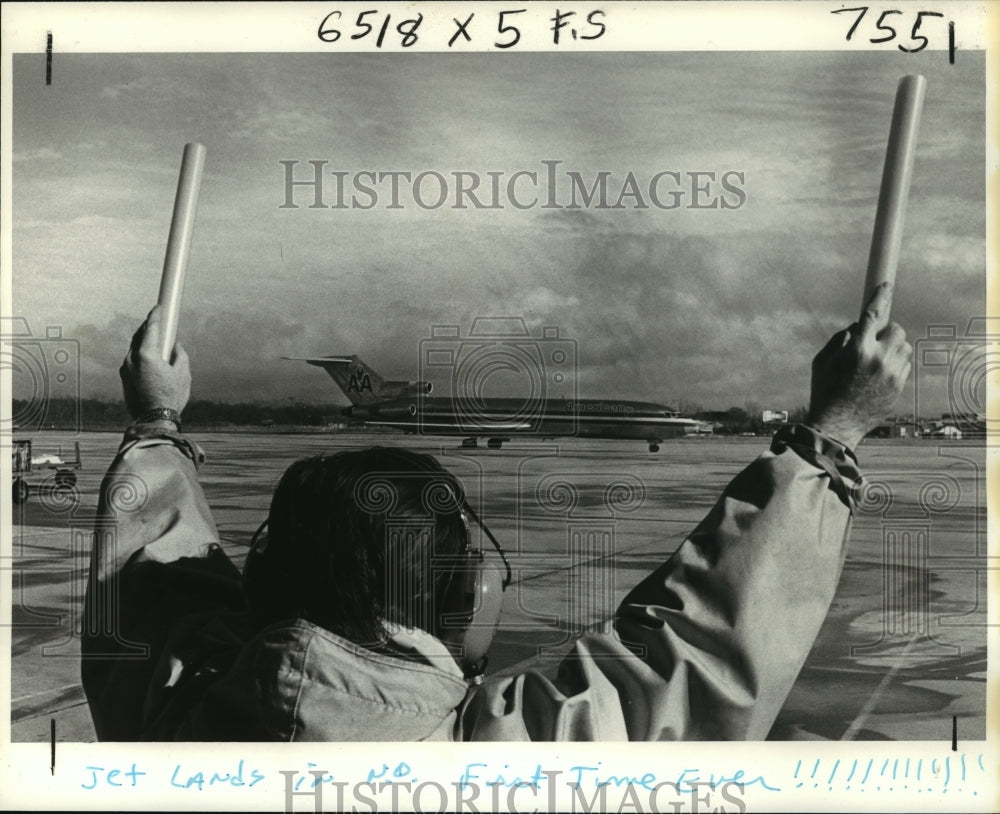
(359,382)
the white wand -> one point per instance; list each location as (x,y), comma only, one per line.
(179,243)
(896,174)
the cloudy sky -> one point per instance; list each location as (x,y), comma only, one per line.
(695,306)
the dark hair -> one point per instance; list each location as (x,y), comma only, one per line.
(357,537)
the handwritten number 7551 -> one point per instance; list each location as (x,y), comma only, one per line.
(883,25)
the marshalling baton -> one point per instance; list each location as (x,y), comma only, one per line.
(888,232)
(179,243)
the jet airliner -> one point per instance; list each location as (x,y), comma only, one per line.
(408,406)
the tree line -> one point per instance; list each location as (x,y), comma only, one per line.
(95,414)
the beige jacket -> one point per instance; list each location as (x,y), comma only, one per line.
(706,647)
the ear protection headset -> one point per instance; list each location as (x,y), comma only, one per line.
(468,609)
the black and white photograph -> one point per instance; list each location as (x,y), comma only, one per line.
(402,381)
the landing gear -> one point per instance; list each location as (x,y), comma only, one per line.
(654,447)
(492,443)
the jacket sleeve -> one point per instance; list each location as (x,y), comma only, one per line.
(155,558)
(708,646)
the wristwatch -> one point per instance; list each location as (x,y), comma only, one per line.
(160,414)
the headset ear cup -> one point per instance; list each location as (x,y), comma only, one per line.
(486,614)
(471,610)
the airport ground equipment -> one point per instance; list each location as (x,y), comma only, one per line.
(25,464)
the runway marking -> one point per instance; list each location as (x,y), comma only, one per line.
(862,717)
(45,692)
(57,710)
(582,563)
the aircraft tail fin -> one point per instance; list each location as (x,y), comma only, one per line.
(360,383)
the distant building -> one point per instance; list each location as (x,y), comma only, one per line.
(775,416)
(971,425)
(898,427)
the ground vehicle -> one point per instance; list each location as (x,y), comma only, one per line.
(24,463)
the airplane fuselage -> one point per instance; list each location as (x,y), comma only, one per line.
(545,418)
(408,406)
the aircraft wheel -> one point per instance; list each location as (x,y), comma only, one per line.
(65,477)
(470,443)
(20,491)
(494,443)
(654,447)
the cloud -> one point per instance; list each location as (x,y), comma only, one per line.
(662,304)
(114,91)
(652,315)
(279,123)
(235,356)
(38,154)
(963,255)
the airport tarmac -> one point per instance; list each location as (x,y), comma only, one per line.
(901,656)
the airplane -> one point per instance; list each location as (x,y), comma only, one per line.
(408,406)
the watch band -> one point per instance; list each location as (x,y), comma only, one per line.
(160,414)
